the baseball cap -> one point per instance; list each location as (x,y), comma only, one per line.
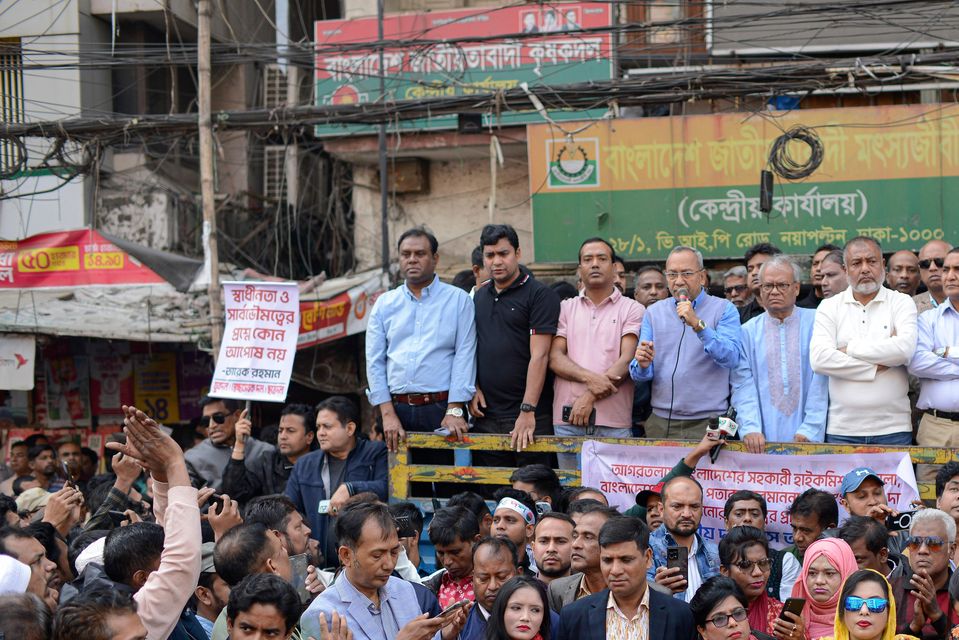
(33,499)
(852,480)
(643,496)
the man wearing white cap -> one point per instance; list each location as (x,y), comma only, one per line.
(28,551)
(515,519)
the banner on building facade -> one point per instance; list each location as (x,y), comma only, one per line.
(259,341)
(650,184)
(461,53)
(345,314)
(622,471)
(17,360)
(68,259)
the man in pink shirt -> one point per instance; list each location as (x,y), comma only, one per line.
(590,354)
(162,590)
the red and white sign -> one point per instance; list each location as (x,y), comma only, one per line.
(343,315)
(69,259)
(259,341)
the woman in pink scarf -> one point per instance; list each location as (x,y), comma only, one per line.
(826,564)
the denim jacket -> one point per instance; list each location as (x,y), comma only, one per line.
(707,555)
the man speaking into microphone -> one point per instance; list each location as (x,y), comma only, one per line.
(688,345)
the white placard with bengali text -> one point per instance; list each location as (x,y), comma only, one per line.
(259,341)
(622,471)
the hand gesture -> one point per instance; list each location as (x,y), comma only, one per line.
(127,471)
(338,499)
(313,582)
(672,579)
(645,354)
(755,442)
(148,445)
(600,386)
(582,407)
(685,311)
(925,591)
(393,430)
(203,495)
(243,430)
(523,429)
(226,518)
(477,404)
(63,509)
(421,628)
(335,630)
(790,628)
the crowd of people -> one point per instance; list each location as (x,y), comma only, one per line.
(238,537)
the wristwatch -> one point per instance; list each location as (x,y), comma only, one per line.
(527,407)
(700,327)
(456,412)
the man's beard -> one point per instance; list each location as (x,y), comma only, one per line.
(555,573)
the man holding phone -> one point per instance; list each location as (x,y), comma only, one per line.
(682,558)
(595,341)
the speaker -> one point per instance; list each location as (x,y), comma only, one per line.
(469,122)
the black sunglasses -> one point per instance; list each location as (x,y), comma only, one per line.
(925,264)
(735,289)
(218,418)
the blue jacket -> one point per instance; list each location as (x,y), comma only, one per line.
(366,470)
(343,598)
(707,555)
(585,619)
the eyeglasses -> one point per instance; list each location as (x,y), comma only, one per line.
(736,288)
(781,287)
(747,565)
(218,418)
(875,605)
(925,264)
(672,275)
(933,543)
(722,619)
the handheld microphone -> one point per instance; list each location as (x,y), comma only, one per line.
(683,294)
(724,427)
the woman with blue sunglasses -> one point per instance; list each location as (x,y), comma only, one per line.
(866,610)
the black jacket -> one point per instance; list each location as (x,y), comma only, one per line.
(585,619)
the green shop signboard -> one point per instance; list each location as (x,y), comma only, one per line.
(651,184)
(541,45)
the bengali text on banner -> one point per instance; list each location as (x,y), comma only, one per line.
(622,471)
(259,341)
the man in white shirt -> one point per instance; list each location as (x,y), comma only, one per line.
(862,340)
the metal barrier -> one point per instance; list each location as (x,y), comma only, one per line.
(402,472)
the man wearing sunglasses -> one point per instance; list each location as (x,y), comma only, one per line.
(932,255)
(735,287)
(929,612)
(207,461)
(936,364)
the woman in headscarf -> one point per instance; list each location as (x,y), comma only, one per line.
(826,564)
(867,610)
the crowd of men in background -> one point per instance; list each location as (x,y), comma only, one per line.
(239,537)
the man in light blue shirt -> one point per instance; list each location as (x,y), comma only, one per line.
(778,397)
(421,350)
(936,364)
(697,340)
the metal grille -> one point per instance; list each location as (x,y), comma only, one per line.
(11,99)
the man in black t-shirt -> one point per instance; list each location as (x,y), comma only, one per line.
(516,319)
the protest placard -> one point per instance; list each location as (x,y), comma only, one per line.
(259,341)
(622,471)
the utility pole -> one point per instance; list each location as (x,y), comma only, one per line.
(384,186)
(205,123)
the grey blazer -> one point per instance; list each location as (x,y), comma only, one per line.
(562,591)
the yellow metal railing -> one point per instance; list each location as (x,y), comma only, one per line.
(402,472)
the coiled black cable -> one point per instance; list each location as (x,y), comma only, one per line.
(782,161)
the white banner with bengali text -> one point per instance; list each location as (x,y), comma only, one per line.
(259,341)
(622,471)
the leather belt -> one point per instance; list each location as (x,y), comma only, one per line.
(419,399)
(945,415)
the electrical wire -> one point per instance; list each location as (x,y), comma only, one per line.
(785,164)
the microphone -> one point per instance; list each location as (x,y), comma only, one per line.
(683,294)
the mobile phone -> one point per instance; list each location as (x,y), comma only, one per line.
(117,517)
(65,473)
(453,608)
(792,605)
(404,527)
(902,522)
(678,557)
(324,507)
(568,411)
(298,565)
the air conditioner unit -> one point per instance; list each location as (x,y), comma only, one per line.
(285,88)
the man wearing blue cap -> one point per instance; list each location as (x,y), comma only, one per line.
(862,493)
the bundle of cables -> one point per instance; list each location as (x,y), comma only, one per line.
(785,164)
